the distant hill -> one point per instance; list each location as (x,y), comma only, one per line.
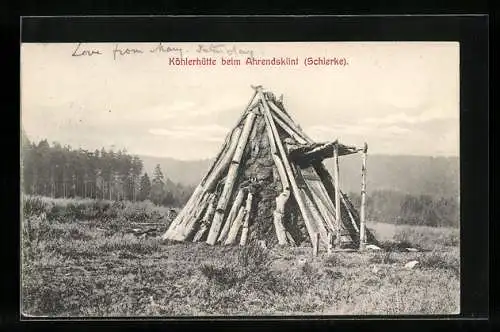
(408,174)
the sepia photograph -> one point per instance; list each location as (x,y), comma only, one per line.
(240,179)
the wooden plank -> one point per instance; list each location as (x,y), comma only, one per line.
(230,179)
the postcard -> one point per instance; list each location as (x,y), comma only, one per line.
(240,179)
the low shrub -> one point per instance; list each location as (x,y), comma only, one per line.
(398,246)
(428,237)
(222,275)
(382,258)
(34,206)
(253,257)
(441,260)
(128,242)
(332,260)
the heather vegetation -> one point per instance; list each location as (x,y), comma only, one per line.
(81,258)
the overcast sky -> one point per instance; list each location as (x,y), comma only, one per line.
(401,98)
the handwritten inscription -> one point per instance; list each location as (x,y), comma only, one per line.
(80,51)
(230,50)
(117,51)
(160,48)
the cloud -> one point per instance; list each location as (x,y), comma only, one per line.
(322,132)
(180,111)
(209,133)
(161,111)
(406,119)
(336,130)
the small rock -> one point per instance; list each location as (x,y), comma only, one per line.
(302,261)
(375,269)
(262,244)
(411,265)
(372,247)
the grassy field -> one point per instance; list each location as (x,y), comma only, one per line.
(80,258)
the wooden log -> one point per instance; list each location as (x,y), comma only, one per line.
(362,226)
(297,130)
(282,198)
(224,163)
(278,217)
(338,216)
(290,239)
(180,217)
(289,130)
(289,122)
(197,216)
(232,214)
(288,169)
(230,179)
(244,232)
(199,234)
(235,227)
(220,164)
(248,210)
(282,114)
(211,179)
(186,212)
(315,244)
(249,106)
(219,156)
(223,159)
(183,230)
(205,221)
